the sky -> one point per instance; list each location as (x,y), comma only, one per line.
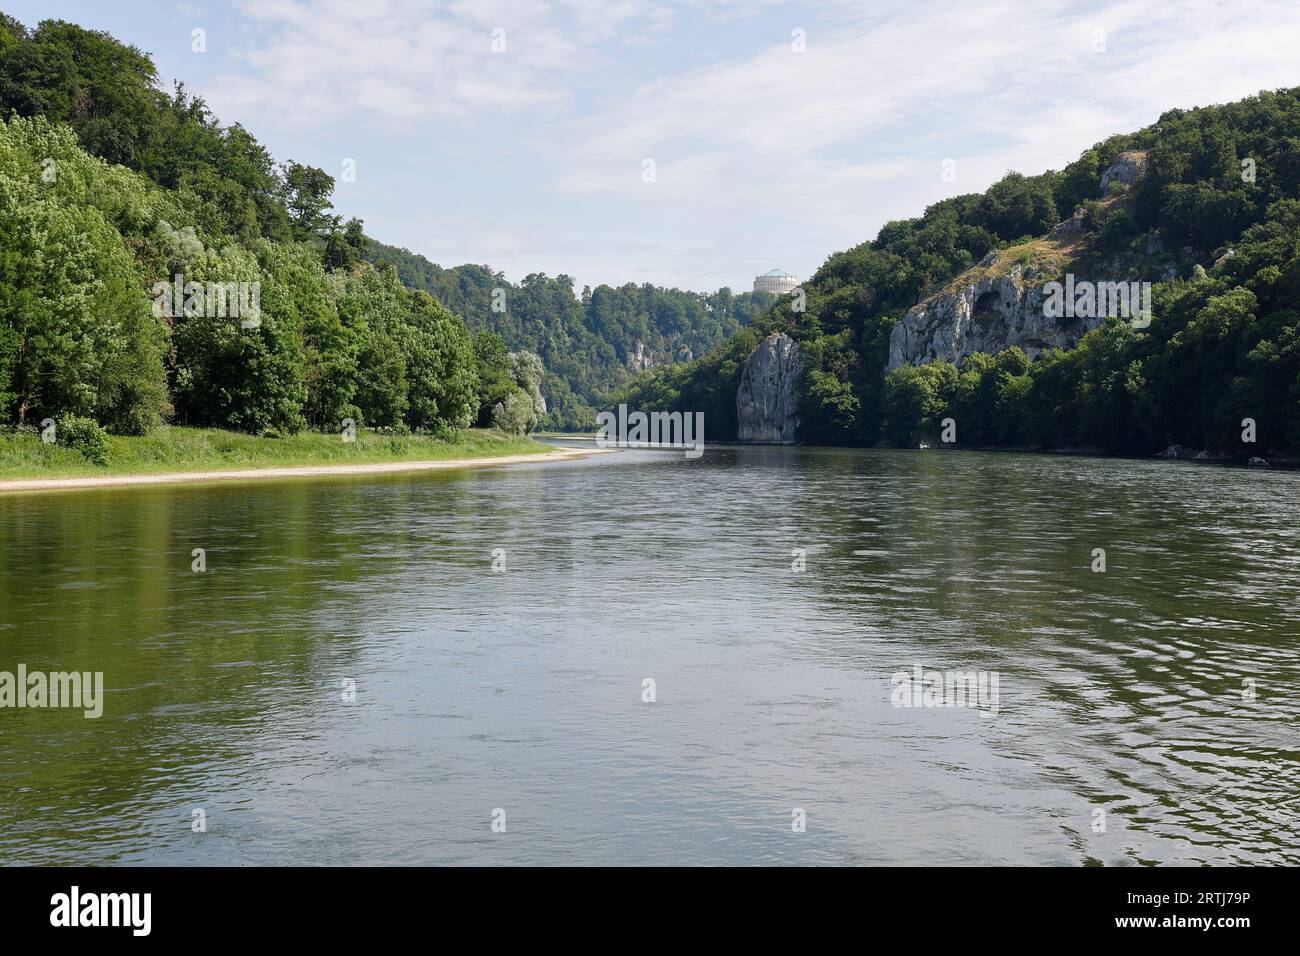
(696,143)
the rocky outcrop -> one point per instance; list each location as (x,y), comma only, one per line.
(987,315)
(767,400)
(999,306)
(1127,169)
(1069,230)
(640,359)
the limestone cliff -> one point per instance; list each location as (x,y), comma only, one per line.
(1127,169)
(767,400)
(640,359)
(988,314)
(999,303)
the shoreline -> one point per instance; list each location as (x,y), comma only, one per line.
(18,485)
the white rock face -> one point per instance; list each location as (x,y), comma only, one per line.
(640,359)
(990,315)
(767,401)
(1127,168)
(1069,230)
(1001,311)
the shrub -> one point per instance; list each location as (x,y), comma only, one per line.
(84,435)
(516,414)
(1117,229)
(353,412)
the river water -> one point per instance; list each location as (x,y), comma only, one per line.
(1146,713)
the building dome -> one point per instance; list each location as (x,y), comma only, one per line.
(776,281)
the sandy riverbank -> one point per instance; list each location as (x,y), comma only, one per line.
(304,471)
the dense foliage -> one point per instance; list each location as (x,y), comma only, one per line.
(111,190)
(108,93)
(590,342)
(1224,344)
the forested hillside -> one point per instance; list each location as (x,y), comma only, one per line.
(1218,207)
(114,193)
(591,342)
(111,188)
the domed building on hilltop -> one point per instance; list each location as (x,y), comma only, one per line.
(776,282)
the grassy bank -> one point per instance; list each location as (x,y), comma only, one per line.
(202,449)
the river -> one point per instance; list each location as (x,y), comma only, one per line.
(350,681)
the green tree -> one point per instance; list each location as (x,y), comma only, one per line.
(495,376)
(307,196)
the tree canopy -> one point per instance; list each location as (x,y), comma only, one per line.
(111,189)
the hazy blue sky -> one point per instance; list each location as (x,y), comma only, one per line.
(531,159)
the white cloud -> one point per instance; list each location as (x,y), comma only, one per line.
(761,151)
(316,60)
(852,132)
